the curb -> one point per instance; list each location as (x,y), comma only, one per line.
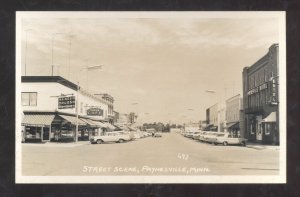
(259,147)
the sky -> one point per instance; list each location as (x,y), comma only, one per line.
(159,68)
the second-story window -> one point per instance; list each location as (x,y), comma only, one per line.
(29,98)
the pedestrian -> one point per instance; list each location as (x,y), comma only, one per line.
(152,134)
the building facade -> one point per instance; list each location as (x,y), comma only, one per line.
(234,105)
(51,105)
(110,101)
(260,99)
(212,117)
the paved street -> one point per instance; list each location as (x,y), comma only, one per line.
(172,154)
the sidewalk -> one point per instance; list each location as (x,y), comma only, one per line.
(261,146)
(58,144)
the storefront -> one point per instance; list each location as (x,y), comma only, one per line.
(51,105)
(269,127)
(36,127)
(233,129)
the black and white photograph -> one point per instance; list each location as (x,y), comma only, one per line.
(150,97)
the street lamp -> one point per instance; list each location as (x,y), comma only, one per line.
(26,48)
(77,97)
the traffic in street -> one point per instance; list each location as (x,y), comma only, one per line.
(170,154)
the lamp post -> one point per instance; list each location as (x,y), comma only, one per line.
(26,49)
(77,98)
(69,56)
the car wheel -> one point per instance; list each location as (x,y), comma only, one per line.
(225,143)
(243,143)
(99,141)
(121,141)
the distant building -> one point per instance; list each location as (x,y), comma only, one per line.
(116,116)
(132,117)
(234,106)
(110,101)
(222,117)
(212,117)
(260,98)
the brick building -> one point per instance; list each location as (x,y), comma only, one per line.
(260,99)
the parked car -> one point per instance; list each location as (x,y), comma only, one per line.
(146,134)
(64,135)
(189,134)
(202,135)
(196,135)
(208,136)
(226,139)
(158,134)
(117,136)
(136,135)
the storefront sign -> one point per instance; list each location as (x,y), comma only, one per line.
(94,112)
(66,102)
(263,86)
(257,89)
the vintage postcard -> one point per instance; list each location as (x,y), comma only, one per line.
(150,97)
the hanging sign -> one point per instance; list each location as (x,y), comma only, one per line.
(66,102)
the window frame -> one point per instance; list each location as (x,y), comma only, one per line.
(29,99)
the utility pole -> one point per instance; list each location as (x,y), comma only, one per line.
(52,65)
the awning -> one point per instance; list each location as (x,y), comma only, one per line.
(207,127)
(72,120)
(270,118)
(233,125)
(110,126)
(89,122)
(94,123)
(37,120)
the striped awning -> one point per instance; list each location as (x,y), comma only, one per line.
(37,120)
(93,123)
(110,126)
(72,120)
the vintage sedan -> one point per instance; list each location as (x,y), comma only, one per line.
(196,135)
(226,139)
(117,137)
(157,134)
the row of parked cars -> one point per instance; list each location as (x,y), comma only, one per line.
(215,138)
(119,136)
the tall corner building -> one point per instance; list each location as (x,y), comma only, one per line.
(261,99)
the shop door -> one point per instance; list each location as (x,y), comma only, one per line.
(46,134)
(259,128)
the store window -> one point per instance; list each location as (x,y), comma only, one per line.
(29,98)
(33,132)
